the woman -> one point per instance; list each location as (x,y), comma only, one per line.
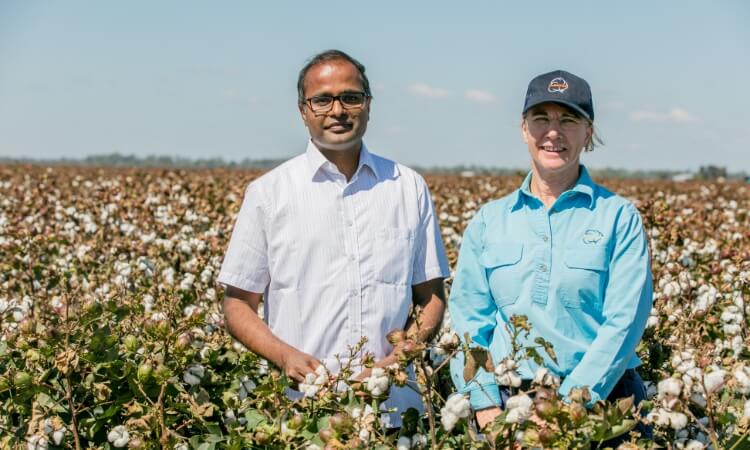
(562,250)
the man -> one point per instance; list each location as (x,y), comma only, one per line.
(338,241)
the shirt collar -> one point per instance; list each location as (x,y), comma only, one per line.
(316,161)
(584,185)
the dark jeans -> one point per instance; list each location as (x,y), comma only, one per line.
(630,384)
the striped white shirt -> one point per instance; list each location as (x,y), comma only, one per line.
(336,260)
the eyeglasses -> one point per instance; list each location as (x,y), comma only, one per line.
(543,122)
(348,100)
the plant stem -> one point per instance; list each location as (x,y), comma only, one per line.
(428,402)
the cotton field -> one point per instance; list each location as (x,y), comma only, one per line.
(111,334)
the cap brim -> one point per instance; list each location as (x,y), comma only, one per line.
(570,105)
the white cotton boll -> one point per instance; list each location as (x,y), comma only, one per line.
(419,441)
(158,316)
(459,405)
(692,444)
(742,376)
(746,411)
(168,276)
(671,289)
(448,419)
(659,417)
(189,310)
(364,435)
(314,381)
(378,382)
(714,381)
(683,361)
(37,442)
(119,436)
(506,374)
(58,436)
(652,321)
(546,378)
(403,443)
(148,302)
(677,420)
(669,386)
(187,282)
(519,408)
(732,329)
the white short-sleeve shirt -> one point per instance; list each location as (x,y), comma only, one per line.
(336,260)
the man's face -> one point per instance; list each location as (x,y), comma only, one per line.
(555,137)
(338,128)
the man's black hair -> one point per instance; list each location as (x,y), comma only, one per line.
(330,55)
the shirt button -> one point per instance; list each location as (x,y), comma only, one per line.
(543,267)
(349,223)
(353,293)
(545,238)
(351,257)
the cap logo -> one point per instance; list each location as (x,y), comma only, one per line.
(558,85)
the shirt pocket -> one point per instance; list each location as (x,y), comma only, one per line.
(501,261)
(585,276)
(393,250)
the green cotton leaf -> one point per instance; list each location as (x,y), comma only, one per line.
(547,348)
(323,422)
(533,354)
(254,419)
(617,430)
(213,439)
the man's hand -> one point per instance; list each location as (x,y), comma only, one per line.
(241,313)
(485,416)
(297,364)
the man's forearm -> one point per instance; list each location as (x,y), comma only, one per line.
(244,325)
(427,319)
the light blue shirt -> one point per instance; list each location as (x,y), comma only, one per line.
(581,273)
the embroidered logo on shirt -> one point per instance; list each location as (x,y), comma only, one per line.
(558,85)
(592,236)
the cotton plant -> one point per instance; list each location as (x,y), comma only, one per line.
(378,382)
(456,407)
(314,381)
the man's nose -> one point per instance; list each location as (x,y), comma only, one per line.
(337,108)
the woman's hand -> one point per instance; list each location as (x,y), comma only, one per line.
(487,415)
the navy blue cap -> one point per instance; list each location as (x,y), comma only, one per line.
(560,87)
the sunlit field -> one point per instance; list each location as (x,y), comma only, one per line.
(111,334)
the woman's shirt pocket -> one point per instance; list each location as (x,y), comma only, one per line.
(584,277)
(501,262)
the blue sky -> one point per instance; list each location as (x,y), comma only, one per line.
(202,79)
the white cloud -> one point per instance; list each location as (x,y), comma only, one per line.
(479,96)
(425,90)
(673,115)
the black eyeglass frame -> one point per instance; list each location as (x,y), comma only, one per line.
(333,98)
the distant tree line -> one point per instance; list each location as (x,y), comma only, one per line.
(709,172)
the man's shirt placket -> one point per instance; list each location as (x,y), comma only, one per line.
(349,199)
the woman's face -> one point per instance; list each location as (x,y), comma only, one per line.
(555,137)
